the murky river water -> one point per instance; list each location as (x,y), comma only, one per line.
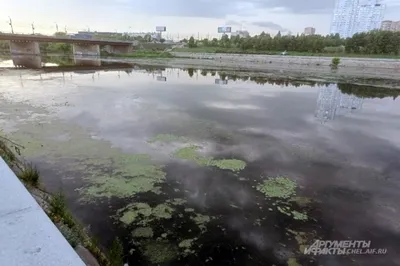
(202,168)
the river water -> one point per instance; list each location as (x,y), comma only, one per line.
(196,167)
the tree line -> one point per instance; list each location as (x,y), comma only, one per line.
(373,42)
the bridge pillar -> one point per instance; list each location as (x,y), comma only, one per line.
(118,49)
(86,54)
(25,54)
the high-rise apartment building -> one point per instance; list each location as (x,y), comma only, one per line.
(349,17)
(369,17)
(309,31)
(343,17)
(390,25)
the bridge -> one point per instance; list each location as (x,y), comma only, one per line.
(25,50)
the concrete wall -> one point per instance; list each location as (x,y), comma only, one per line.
(86,54)
(118,49)
(27,235)
(86,49)
(26,54)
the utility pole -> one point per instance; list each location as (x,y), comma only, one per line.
(56,26)
(33,29)
(65,29)
(198,35)
(10,23)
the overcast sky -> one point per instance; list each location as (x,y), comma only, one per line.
(186,17)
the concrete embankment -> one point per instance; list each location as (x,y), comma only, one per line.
(382,72)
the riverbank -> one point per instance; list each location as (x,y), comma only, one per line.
(376,72)
(55,208)
(255,52)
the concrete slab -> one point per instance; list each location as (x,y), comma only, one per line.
(27,235)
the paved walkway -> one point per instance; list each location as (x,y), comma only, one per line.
(27,235)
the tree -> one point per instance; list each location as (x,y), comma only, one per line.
(191,43)
(162,40)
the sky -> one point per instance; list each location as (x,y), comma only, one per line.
(181,17)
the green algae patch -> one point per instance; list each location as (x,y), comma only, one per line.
(133,212)
(143,232)
(158,251)
(128,217)
(299,216)
(189,210)
(280,187)
(201,221)
(108,171)
(292,262)
(162,211)
(229,164)
(186,245)
(177,201)
(143,214)
(168,138)
(301,239)
(191,153)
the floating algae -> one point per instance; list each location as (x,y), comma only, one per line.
(292,262)
(177,201)
(299,216)
(229,164)
(168,138)
(158,251)
(143,214)
(301,239)
(162,211)
(186,246)
(280,187)
(143,232)
(191,153)
(189,210)
(201,221)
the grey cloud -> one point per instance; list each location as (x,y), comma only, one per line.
(234,23)
(222,8)
(295,6)
(270,25)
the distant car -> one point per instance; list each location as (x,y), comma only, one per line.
(284,53)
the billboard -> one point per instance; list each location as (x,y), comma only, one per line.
(224,29)
(161,28)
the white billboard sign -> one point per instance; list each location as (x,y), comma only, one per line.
(224,29)
(161,28)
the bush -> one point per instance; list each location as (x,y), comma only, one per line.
(116,253)
(335,62)
(30,175)
(70,235)
(58,207)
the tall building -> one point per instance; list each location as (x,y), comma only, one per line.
(309,31)
(369,17)
(390,25)
(387,25)
(343,17)
(349,17)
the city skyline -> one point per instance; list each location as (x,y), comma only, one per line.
(137,16)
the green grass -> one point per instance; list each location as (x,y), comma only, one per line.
(30,175)
(240,51)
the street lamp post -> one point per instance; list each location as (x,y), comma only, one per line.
(33,29)
(56,26)
(11,25)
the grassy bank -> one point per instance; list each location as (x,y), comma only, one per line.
(142,54)
(240,51)
(55,206)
